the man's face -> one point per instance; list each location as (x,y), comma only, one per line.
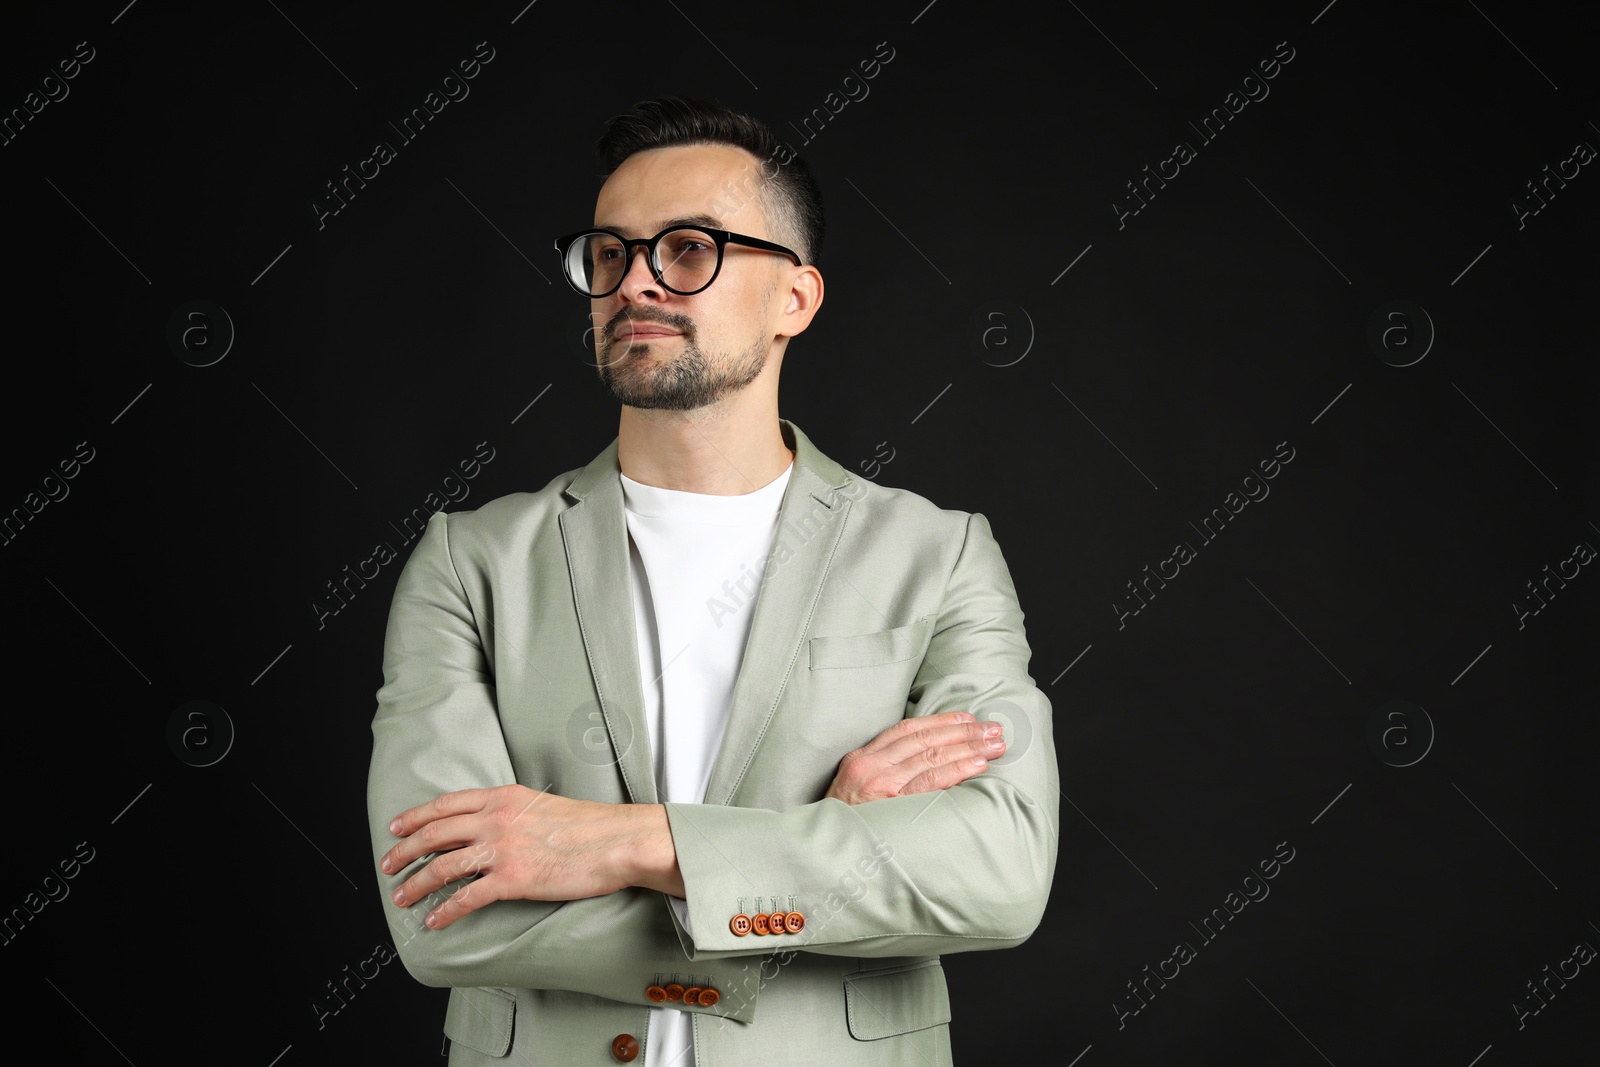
(654,348)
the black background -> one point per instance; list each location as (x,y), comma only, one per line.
(1234,712)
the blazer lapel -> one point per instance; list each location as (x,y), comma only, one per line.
(811,519)
(595,533)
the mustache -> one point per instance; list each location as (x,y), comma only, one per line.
(681,323)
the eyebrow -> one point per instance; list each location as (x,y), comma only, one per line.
(709,221)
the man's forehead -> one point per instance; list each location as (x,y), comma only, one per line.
(701,185)
(649,227)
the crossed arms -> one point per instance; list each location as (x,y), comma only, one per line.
(529,845)
(973,843)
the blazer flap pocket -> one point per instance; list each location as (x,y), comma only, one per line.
(480,1019)
(882,1005)
(870,650)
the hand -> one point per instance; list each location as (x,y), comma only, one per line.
(918,755)
(528,845)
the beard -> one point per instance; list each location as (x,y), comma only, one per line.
(685,382)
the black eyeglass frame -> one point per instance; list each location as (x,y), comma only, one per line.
(722,239)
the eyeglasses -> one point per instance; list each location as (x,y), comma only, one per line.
(683,259)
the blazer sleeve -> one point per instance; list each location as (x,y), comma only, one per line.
(965,868)
(437,729)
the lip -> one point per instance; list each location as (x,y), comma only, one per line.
(626,333)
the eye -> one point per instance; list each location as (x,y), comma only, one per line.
(688,244)
(598,244)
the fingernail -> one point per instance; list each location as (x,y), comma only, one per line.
(995,744)
(432,920)
(979,761)
(387,864)
(992,730)
(394,827)
(398,896)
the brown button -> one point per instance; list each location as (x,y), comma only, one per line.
(674,991)
(794,922)
(708,997)
(740,925)
(656,993)
(758,923)
(692,995)
(775,921)
(625,1047)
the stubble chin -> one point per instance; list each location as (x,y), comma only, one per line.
(686,383)
(635,380)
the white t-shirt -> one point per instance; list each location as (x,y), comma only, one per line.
(696,565)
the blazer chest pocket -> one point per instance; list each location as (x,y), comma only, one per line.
(898,645)
(896,1002)
(480,1019)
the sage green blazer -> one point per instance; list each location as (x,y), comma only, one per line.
(510,657)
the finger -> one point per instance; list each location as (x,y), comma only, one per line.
(912,755)
(916,724)
(949,764)
(869,776)
(946,775)
(460,802)
(444,869)
(444,835)
(469,898)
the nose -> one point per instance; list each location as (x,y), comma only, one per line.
(639,282)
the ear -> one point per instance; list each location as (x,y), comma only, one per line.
(800,301)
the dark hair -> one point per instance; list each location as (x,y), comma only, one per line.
(790,198)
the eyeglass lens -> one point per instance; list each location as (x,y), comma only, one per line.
(684,259)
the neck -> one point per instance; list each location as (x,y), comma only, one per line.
(721,450)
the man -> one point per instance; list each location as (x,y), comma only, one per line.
(684,755)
